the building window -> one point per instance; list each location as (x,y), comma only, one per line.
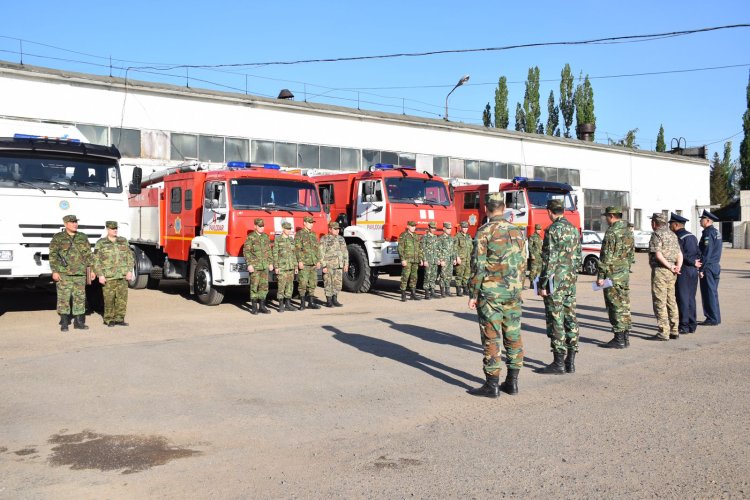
(175,196)
(154,144)
(188,199)
(456,167)
(370,157)
(574,177)
(285,153)
(236,149)
(389,157)
(211,149)
(407,159)
(128,141)
(596,200)
(330,158)
(350,159)
(95,134)
(471,200)
(184,146)
(262,152)
(472,169)
(308,156)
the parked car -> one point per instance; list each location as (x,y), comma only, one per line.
(641,239)
(591,247)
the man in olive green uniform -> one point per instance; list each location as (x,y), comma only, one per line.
(431,257)
(615,259)
(498,266)
(535,253)
(410,253)
(257,253)
(464,249)
(69,259)
(113,263)
(665,258)
(285,266)
(334,258)
(447,249)
(308,261)
(561,260)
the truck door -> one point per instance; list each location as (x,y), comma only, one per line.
(516,208)
(215,215)
(179,232)
(370,214)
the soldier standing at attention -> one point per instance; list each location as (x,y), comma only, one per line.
(69,257)
(535,254)
(334,258)
(615,259)
(257,253)
(495,292)
(447,247)
(410,253)
(464,249)
(431,256)
(687,281)
(285,266)
(308,261)
(113,263)
(561,260)
(710,247)
(665,259)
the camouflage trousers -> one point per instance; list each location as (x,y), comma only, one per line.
(430,276)
(534,269)
(115,293)
(463,272)
(259,284)
(446,274)
(307,280)
(617,300)
(333,280)
(285,283)
(663,298)
(409,274)
(500,322)
(562,324)
(71,289)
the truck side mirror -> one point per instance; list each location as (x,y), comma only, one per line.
(135,182)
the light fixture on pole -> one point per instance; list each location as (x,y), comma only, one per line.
(463,80)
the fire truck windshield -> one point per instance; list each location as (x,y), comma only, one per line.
(539,199)
(30,170)
(416,191)
(274,194)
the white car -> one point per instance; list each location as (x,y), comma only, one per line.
(591,247)
(641,239)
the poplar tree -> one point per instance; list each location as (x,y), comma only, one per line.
(718,181)
(661,146)
(520,118)
(531,108)
(502,117)
(745,145)
(553,116)
(486,116)
(567,106)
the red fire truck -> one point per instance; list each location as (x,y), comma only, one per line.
(193,226)
(374,206)
(525,203)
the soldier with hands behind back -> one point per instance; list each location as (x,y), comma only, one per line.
(113,264)
(308,260)
(710,247)
(686,286)
(285,266)
(464,249)
(665,259)
(334,258)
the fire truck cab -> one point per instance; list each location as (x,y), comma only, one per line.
(194,224)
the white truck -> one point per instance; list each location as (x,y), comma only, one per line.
(46,172)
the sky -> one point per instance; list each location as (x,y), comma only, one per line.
(703,107)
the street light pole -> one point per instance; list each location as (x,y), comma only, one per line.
(463,80)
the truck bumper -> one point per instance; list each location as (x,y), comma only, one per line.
(18,261)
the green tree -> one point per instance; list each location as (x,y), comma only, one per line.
(502,116)
(661,146)
(567,106)
(584,101)
(726,167)
(745,145)
(628,141)
(486,116)
(553,116)
(718,182)
(531,109)
(520,118)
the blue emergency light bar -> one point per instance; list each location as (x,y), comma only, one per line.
(245,164)
(28,136)
(518,179)
(390,166)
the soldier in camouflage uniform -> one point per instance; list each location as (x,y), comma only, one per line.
(113,263)
(448,254)
(431,256)
(498,266)
(464,249)
(257,253)
(561,260)
(535,254)
(285,266)
(334,258)
(615,259)
(308,260)
(665,259)
(410,253)
(69,257)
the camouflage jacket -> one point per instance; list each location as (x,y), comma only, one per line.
(70,255)
(113,259)
(430,248)
(284,257)
(447,247)
(665,241)
(617,253)
(498,263)
(561,256)
(409,248)
(464,246)
(333,252)
(306,247)
(257,250)
(535,247)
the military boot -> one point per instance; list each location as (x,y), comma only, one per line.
(459,291)
(311,302)
(570,361)
(282,304)
(253,306)
(617,342)
(403,295)
(466,289)
(510,386)
(302,299)
(427,294)
(263,308)
(490,389)
(414,294)
(447,291)
(288,303)
(336,302)
(64,322)
(441,293)
(329,301)
(79,322)
(626,336)
(557,367)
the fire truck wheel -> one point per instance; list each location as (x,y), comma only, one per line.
(206,292)
(359,277)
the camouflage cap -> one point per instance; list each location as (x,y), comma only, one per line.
(432,225)
(447,225)
(308,219)
(286,225)
(464,223)
(333,225)
(70,218)
(537,227)
(657,217)
(612,210)
(411,223)
(259,222)
(554,205)
(494,198)
(111,224)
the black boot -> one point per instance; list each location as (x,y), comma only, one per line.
(336,302)
(329,301)
(64,322)
(490,389)
(510,386)
(403,295)
(459,291)
(557,367)
(427,294)
(253,306)
(617,342)
(263,308)
(414,294)
(441,293)
(570,361)
(79,322)
(311,302)
(447,291)
(302,299)
(282,303)
(288,303)
(466,290)
(626,336)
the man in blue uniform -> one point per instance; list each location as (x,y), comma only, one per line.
(710,248)
(687,281)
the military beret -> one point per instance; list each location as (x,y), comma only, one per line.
(70,218)
(432,225)
(612,210)
(673,217)
(554,205)
(309,219)
(658,217)
(259,222)
(537,227)
(447,225)
(111,224)
(494,198)
(464,223)
(411,223)
(286,225)
(708,215)
(334,225)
